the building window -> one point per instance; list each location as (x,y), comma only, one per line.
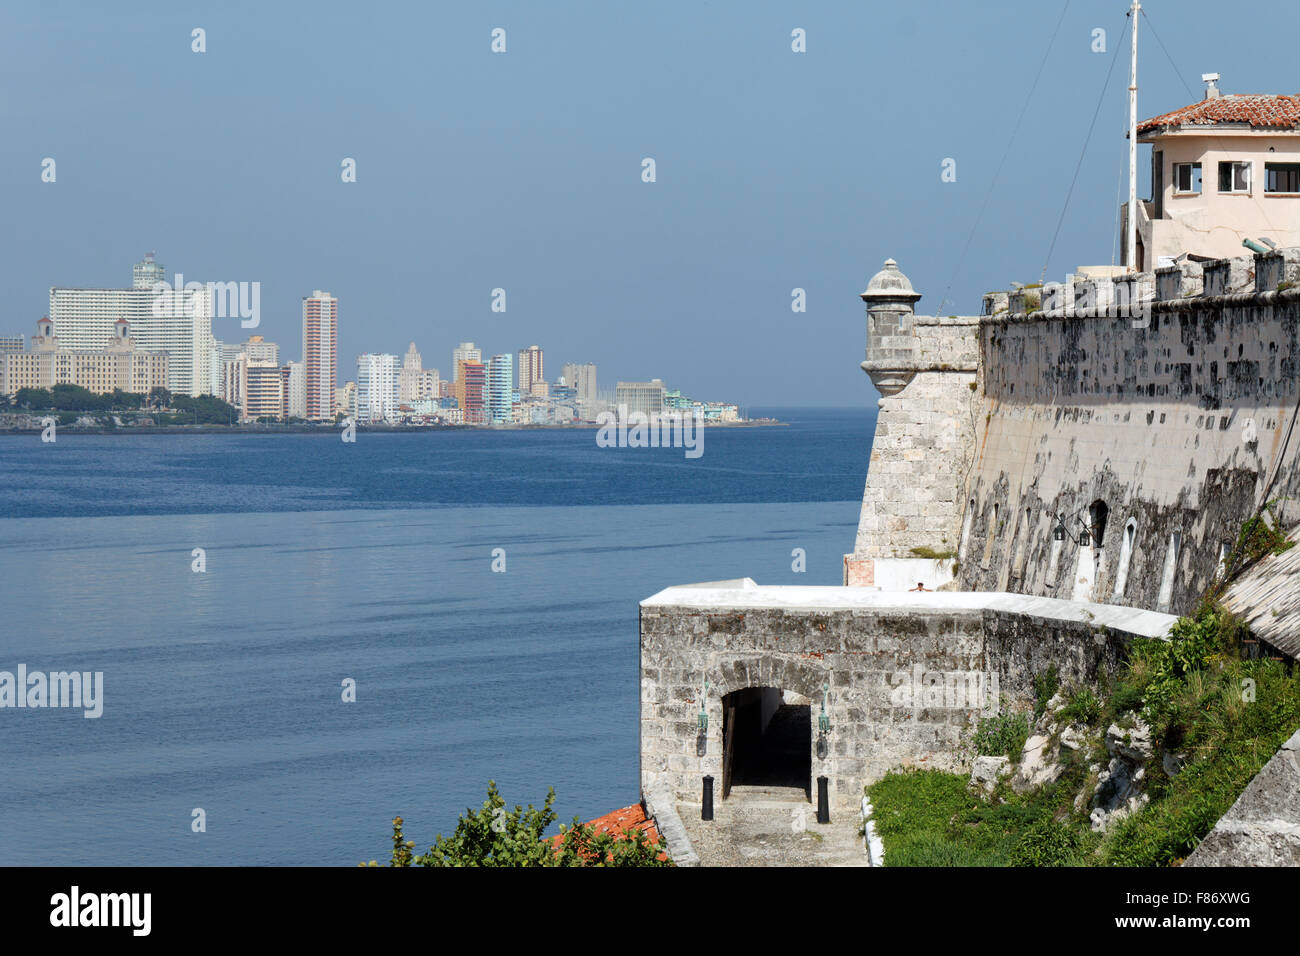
(1282,177)
(1187,178)
(1234,177)
(1098,512)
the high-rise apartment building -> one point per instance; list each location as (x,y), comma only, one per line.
(500,390)
(644,398)
(320,335)
(264,390)
(376,387)
(256,349)
(582,378)
(471,383)
(255,387)
(465,352)
(345,400)
(178,322)
(11,343)
(295,389)
(408,379)
(147,273)
(531,374)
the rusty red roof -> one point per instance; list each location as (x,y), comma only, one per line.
(1262,110)
(621,822)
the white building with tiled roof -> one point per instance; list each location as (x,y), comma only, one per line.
(1223,170)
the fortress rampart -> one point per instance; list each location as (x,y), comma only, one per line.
(1068,476)
(901,676)
(1148,416)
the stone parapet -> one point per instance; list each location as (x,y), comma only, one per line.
(1281,267)
(903,675)
(1179,281)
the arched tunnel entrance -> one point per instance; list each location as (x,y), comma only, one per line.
(767,740)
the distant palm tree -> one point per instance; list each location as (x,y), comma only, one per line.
(159,397)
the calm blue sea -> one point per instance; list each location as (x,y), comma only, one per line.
(371,561)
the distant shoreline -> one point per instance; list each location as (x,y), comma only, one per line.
(335,429)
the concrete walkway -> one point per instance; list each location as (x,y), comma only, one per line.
(758,826)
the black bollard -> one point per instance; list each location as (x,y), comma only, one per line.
(823,801)
(706,810)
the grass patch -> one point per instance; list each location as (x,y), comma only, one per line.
(932,554)
(1082,706)
(1046,685)
(1002,735)
(929,818)
(1225,714)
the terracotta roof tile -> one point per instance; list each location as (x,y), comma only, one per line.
(619,822)
(1267,111)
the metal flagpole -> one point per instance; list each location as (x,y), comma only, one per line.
(1131,246)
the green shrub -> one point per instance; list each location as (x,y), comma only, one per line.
(1126,697)
(1048,843)
(494,836)
(1225,715)
(1227,746)
(1003,735)
(1082,707)
(1045,687)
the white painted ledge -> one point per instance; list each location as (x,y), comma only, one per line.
(746,594)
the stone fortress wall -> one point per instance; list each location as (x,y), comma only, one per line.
(1154,411)
(902,676)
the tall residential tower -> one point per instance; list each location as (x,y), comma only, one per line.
(320,335)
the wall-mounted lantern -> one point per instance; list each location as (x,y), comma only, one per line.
(823,727)
(702,724)
(1060,533)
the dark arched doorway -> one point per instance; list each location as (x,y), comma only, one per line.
(767,740)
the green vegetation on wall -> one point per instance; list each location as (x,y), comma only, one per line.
(495,836)
(1218,713)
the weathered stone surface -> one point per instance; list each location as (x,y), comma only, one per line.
(1267,598)
(987,771)
(1263,827)
(1132,743)
(661,806)
(1119,794)
(1073,737)
(924,368)
(906,675)
(1038,765)
(1169,419)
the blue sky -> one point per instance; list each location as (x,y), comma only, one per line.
(522,170)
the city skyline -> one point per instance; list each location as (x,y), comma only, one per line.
(178,323)
(486,192)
